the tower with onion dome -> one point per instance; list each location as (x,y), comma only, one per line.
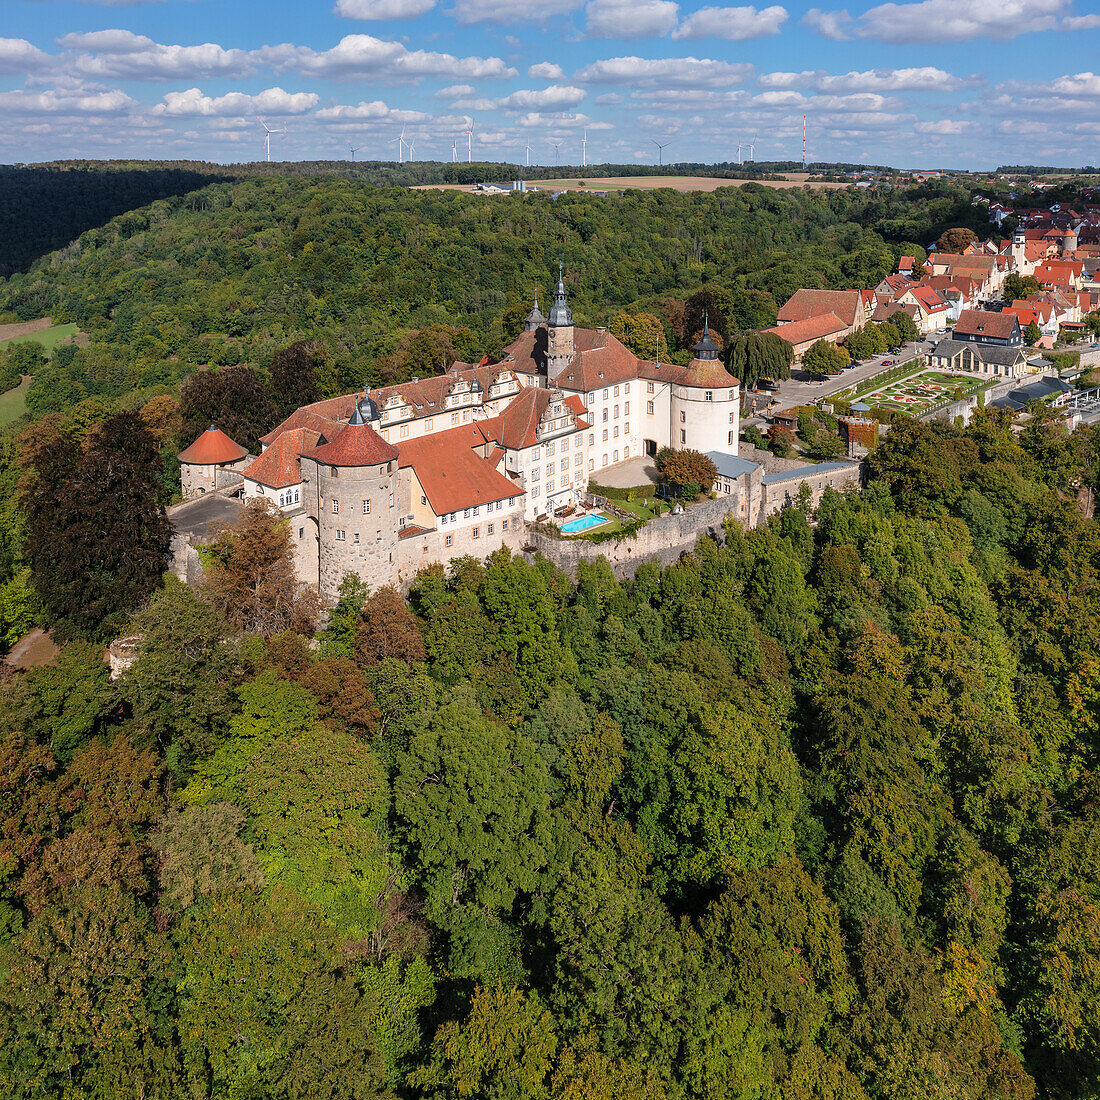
(559,325)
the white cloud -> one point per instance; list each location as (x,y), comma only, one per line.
(123,55)
(512,11)
(630,18)
(382,9)
(17,55)
(676,72)
(556,97)
(945,126)
(950,20)
(271,101)
(110,102)
(829,24)
(927,78)
(362,55)
(735,24)
(545,70)
(454,91)
(608,99)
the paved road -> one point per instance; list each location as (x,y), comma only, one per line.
(201,519)
(800,390)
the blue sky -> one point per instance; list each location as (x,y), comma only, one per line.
(917,83)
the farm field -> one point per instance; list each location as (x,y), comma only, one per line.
(49,336)
(13,403)
(919,393)
(621,183)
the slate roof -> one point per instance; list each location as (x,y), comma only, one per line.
(731,466)
(212,448)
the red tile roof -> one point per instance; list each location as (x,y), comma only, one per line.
(356,445)
(978,322)
(278,466)
(452,473)
(804,304)
(307,417)
(812,328)
(212,448)
(929,299)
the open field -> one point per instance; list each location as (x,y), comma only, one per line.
(919,393)
(621,183)
(48,335)
(14,403)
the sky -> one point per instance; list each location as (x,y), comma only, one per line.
(914,84)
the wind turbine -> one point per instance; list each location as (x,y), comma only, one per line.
(454,151)
(739,152)
(401,147)
(528,148)
(584,148)
(267,135)
(556,146)
(469,144)
(660,149)
(412,148)
(354,149)
(752,150)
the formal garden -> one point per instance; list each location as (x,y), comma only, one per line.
(919,393)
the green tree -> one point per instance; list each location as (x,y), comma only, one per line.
(1032,334)
(825,358)
(1018,287)
(955,240)
(753,356)
(686,468)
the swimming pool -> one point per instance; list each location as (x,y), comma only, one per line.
(593,519)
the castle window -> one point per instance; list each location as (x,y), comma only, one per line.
(454,418)
(731,417)
(626,452)
(683,436)
(730,444)
(356,539)
(649,407)
(443,518)
(626,409)
(295,496)
(335,506)
(333,471)
(549,469)
(536,491)
(477,511)
(428,426)
(404,431)
(391,500)
(605,414)
(282,500)
(626,429)
(616,456)
(683,417)
(301,532)
(536,473)
(605,395)
(616,432)
(535,454)
(605,435)
(591,464)
(465,513)
(565,463)
(731,395)
(616,412)
(366,507)
(616,391)
(511,501)
(578,459)
(649,387)
(477,532)
(504,525)
(708,395)
(591,439)
(489,529)
(423,500)
(626,388)
(449,540)
(549,449)
(339,536)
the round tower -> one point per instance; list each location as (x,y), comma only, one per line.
(705,402)
(351,484)
(560,349)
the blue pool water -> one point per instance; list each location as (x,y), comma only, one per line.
(593,519)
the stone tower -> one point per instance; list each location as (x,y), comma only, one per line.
(560,349)
(350,486)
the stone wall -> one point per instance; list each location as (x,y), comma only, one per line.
(186,564)
(662,540)
(416,552)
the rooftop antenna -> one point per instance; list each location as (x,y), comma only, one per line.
(803,141)
(470,145)
(401,147)
(660,149)
(267,135)
(584,148)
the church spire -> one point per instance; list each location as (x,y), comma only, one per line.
(560,313)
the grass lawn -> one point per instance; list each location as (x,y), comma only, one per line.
(13,403)
(49,338)
(919,393)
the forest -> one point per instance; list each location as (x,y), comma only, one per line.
(811,813)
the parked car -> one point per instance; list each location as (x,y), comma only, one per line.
(894,351)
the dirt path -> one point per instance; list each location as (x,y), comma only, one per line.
(32,651)
(25,328)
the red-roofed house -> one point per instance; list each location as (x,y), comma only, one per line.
(212,462)
(802,335)
(982,327)
(276,474)
(933,311)
(848,305)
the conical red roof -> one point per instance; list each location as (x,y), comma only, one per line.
(212,448)
(357,445)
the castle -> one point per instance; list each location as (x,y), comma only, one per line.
(385,482)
